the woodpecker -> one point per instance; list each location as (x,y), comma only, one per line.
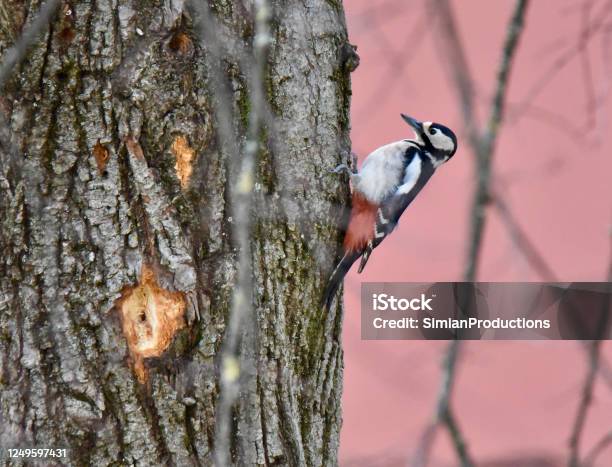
(389,180)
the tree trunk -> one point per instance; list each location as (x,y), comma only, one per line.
(117,262)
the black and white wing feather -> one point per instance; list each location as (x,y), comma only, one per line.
(416,174)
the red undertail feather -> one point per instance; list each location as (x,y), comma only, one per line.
(361,225)
(360,231)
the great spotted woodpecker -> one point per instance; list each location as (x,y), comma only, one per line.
(389,179)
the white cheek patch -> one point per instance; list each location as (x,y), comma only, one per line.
(441,141)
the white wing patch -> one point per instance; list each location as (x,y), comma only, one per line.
(411,175)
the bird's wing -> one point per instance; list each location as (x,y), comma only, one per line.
(416,175)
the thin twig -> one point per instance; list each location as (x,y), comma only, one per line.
(9,61)
(594,357)
(587,69)
(421,456)
(242,198)
(565,59)
(444,415)
(563,125)
(457,438)
(444,412)
(602,444)
(605,371)
(583,407)
(446,389)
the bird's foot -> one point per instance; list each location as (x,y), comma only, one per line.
(342,168)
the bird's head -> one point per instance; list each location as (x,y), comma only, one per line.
(437,139)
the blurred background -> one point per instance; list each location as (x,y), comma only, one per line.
(516,402)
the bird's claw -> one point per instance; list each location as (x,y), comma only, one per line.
(341,168)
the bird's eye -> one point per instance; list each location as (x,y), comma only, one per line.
(433,131)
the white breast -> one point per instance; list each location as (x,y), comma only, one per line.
(382,171)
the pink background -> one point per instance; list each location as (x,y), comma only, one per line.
(514,400)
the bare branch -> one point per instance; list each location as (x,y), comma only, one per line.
(594,358)
(444,415)
(457,439)
(234,368)
(583,407)
(497,110)
(242,300)
(605,371)
(587,69)
(485,147)
(444,411)
(421,456)
(482,144)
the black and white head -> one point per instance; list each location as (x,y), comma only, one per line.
(436,139)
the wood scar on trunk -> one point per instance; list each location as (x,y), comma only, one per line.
(150,318)
(184,156)
(101,155)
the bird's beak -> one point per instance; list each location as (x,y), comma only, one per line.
(414,123)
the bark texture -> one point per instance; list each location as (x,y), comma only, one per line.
(114,215)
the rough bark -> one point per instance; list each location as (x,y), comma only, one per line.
(100,217)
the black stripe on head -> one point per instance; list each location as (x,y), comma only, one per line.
(426,143)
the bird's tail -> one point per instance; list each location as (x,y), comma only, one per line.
(337,276)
